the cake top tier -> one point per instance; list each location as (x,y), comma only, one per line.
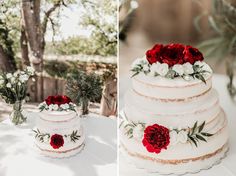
(57,104)
(173,61)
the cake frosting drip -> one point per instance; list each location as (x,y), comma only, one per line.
(172,119)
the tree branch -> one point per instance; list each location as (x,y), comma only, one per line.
(48,14)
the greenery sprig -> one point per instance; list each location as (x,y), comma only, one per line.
(41,136)
(196,134)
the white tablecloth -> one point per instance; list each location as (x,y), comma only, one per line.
(18,156)
(227,167)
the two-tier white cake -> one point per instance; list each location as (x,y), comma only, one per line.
(173,122)
(58,131)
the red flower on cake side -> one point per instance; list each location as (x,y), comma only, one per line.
(156,138)
(57,141)
(172,54)
(58,99)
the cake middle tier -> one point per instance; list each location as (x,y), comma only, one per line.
(172,114)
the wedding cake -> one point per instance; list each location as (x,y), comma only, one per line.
(58,131)
(172,119)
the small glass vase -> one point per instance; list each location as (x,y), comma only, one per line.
(16,116)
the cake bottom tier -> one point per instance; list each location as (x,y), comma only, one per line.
(176,167)
(69,148)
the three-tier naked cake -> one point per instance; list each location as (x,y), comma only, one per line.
(58,131)
(173,122)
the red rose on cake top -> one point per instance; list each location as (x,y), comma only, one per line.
(172,54)
(57,99)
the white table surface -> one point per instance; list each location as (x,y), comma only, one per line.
(18,156)
(228,165)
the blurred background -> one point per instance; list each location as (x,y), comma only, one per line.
(59,38)
(209,25)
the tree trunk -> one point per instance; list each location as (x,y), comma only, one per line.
(109,99)
(85,104)
(7,63)
(24,48)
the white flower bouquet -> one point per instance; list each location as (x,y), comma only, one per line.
(13,89)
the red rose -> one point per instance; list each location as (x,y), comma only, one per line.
(192,55)
(156,138)
(172,54)
(49,100)
(57,141)
(154,54)
(58,99)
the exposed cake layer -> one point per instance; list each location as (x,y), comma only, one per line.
(172,114)
(178,168)
(186,150)
(170,89)
(57,116)
(51,127)
(68,146)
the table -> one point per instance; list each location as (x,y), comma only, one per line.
(228,166)
(18,156)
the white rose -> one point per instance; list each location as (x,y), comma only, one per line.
(8,75)
(139,61)
(23,78)
(19,83)
(188,68)
(8,85)
(55,107)
(138,131)
(173,137)
(200,63)
(207,68)
(145,68)
(15,74)
(50,107)
(153,68)
(179,69)
(162,69)
(182,136)
(65,106)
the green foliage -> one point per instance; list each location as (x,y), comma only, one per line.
(56,69)
(100,17)
(83,87)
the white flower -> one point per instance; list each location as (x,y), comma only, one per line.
(173,137)
(30,70)
(139,61)
(55,107)
(19,83)
(163,69)
(8,75)
(15,74)
(182,136)
(13,79)
(64,106)
(179,69)
(145,68)
(23,78)
(1,82)
(138,131)
(153,68)
(207,68)
(50,107)
(204,66)
(8,85)
(188,68)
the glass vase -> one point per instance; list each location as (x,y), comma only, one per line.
(16,116)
